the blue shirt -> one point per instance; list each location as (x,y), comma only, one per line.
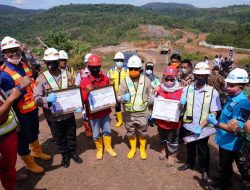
(232,110)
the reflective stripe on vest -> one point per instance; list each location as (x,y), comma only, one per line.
(188,116)
(52,82)
(11,122)
(136,103)
(27,103)
(116,77)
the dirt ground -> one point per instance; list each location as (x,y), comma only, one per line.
(113,173)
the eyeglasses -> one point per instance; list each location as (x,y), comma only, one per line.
(149,68)
(119,60)
(231,85)
(13,51)
(134,69)
(169,79)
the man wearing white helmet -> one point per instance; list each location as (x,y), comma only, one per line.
(199,100)
(63,64)
(226,138)
(25,108)
(116,76)
(134,93)
(63,125)
(83,73)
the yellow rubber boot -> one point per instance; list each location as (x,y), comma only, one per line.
(37,152)
(131,153)
(31,165)
(107,145)
(99,147)
(119,119)
(143,143)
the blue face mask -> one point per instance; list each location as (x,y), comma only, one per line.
(119,64)
(149,72)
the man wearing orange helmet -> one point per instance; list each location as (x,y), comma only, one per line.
(98,120)
(169,131)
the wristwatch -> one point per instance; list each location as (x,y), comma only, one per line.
(237,131)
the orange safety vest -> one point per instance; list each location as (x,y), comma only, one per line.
(27,103)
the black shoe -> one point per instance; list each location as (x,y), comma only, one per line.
(204,177)
(75,157)
(65,160)
(185,167)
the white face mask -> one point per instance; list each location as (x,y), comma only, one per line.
(14,61)
(119,64)
(149,72)
(184,71)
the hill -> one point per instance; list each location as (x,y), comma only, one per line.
(158,6)
(106,24)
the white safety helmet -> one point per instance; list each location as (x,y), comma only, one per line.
(134,62)
(86,58)
(8,43)
(51,54)
(63,55)
(202,69)
(119,55)
(237,76)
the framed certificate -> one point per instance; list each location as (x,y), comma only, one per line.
(101,98)
(165,109)
(68,100)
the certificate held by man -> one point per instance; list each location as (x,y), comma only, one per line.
(67,101)
(166,109)
(101,98)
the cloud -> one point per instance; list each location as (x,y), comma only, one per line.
(19,2)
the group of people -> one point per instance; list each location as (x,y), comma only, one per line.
(136,89)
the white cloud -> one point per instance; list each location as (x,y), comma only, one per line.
(19,2)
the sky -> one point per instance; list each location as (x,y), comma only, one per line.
(45,4)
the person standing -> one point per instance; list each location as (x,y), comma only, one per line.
(186,75)
(84,72)
(134,93)
(116,76)
(199,100)
(229,144)
(169,131)
(8,136)
(99,120)
(25,107)
(64,126)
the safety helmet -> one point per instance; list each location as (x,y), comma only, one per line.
(63,55)
(134,62)
(237,76)
(51,54)
(94,60)
(201,69)
(119,55)
(87,57)
(170,71)
(8,43)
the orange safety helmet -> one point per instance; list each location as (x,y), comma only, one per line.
(94,61)
(170,71)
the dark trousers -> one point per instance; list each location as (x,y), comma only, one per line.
(65,134)
(226,164)
(118,107)
(201,146)
(28,132)
(169,139)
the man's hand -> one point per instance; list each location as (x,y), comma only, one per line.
(232,124)
(88,88)
(24,82)
(15,93)
(211,119)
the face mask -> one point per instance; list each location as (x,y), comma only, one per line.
(14,61)
(184,71)
(95,71)
(134,73)
(149,72)
(169,84)
(53,65)
(119,64)
(201,81)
